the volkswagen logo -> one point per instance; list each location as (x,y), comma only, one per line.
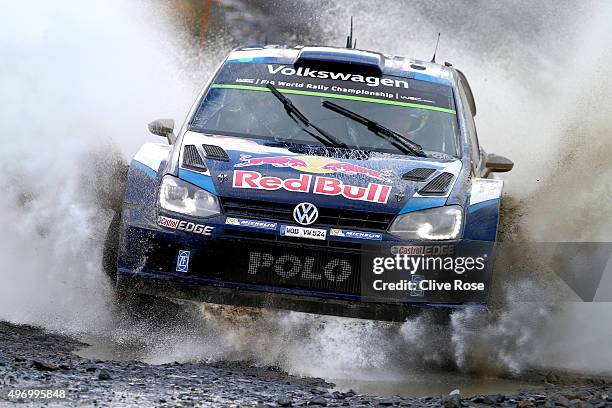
(305,213)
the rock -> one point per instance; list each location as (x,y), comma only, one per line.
(385,403)
(577,394)
(596,401)
(455,392)
(489,400)
(104,375)
(318,401)
(561,401)
(478,399)
(284,401)
(44,366)
(493,399)
(338,395)
(524,404)
(452,401)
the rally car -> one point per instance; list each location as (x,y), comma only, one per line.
(293,168)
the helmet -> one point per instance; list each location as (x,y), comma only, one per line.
(415,121)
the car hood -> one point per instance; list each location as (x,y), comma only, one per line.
(255,169)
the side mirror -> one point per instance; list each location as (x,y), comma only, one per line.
(498,164)
(163,128)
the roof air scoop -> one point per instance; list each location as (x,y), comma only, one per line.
(348,61)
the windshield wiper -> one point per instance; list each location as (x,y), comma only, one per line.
(293,112)
(396,139)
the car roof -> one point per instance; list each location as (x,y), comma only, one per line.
(390,64)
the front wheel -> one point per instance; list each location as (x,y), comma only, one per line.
(136,307)
(111,247)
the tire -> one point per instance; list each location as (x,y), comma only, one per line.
(136,307)
(111,247)
(152,311)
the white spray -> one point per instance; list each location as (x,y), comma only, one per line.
(80,83)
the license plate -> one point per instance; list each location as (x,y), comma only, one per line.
(303,232)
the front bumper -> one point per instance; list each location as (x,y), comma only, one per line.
(220,269)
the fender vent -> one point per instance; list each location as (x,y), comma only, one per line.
(192,159)
(213,152)
(438,186)
(419,174)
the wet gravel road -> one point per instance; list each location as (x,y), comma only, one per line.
(31,358)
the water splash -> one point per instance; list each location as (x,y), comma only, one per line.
(77,95)
(78,83)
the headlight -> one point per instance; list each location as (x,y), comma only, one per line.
(434,223)
(181,197)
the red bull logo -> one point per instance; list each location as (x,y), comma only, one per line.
(374,192)
(314,164)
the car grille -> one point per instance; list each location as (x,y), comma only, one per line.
(280,265)
(252,261)
(328,217)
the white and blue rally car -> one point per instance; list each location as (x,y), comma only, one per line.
(293,168)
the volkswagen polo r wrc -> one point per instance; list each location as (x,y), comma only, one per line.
(295,170)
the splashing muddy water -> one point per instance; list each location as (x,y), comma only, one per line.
(77,92)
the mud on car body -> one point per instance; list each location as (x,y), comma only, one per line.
(293,167)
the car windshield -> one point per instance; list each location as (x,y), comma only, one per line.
(239,103)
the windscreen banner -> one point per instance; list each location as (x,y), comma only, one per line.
(391,90)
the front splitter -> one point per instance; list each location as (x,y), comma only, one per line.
(149,284)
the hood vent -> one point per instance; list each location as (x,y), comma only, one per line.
(192,159)
(419,174)
(438,186)
(213,152)
(336,153)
